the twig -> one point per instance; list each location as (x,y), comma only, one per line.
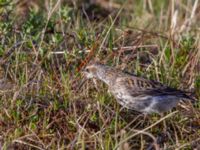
(25,143)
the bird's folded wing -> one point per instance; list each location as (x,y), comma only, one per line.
(137,86)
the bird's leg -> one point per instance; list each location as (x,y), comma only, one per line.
(145,117)
(164,123)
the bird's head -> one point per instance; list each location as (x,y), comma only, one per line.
(102,72)
(93,70)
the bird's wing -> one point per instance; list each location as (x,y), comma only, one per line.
(138,86)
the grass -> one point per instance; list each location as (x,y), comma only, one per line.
(45,44)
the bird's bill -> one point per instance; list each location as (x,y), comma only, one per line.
(82,83)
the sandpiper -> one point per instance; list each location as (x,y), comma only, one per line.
(134,92)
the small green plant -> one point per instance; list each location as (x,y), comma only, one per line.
(46,109)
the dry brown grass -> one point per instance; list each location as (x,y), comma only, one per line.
(43,53)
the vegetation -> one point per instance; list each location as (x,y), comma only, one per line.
(45,45)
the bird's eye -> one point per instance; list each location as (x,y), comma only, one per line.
(87,70)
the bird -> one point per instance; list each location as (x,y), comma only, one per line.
(135,92)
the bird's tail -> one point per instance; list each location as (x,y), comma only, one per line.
(190,96)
